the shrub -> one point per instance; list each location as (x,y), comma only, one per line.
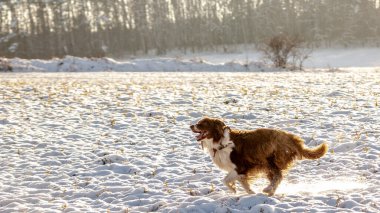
(286,51)
(5,65)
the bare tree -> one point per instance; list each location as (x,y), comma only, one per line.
(5,65)
(285,51)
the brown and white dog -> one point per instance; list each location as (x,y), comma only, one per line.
(246,153)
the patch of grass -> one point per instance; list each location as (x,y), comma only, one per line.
(357,136)
(365,149)
(101,192)
(48,172)
(338,201)
(192,192)
(154,172)
(113,123)
(212,188)
(64,206)
(340,136)
(244,91)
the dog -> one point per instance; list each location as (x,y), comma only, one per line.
(244,154)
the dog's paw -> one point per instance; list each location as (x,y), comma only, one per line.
(268,190)
(231,186)
(232,190)
(250,192)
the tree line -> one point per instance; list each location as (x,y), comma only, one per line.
(97,28)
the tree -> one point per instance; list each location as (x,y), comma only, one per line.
(282,48)
(47,28)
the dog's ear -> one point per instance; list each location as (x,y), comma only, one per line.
(218,130)
(217,134)
(227,128)
(226,131)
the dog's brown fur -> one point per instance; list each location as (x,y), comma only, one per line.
(267,151)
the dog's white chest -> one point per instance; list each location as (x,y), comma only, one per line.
(222,159)
(221,152)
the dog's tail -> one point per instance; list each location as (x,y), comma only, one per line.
(314,153)
(310,153)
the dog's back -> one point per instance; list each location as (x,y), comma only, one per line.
(260,145)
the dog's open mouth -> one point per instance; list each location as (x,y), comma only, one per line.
(201,135)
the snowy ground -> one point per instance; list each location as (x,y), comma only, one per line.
(120,142)
(242,61)
(319,58)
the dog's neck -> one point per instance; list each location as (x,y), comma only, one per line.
(223,143)
(220,152)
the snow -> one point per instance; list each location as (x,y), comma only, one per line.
(72,64)
(319,58)
(120,141)
(331,59)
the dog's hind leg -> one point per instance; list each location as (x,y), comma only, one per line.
(274,175)
(275,178)
(230,179)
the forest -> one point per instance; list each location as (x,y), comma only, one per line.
(98,28)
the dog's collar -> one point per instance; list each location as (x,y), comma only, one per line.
(220,147)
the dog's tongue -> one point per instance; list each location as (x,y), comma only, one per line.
(201,136)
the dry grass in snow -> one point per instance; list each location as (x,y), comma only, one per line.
(120,142)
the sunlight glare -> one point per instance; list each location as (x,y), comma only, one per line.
(320,186)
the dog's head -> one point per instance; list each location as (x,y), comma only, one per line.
(209,128)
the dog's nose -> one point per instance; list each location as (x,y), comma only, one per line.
(191,126)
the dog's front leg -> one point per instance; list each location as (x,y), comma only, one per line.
(230,179)
(244,182)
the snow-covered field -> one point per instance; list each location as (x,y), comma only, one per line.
(319,58)
(76,64)
(120,142)
(242,61)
